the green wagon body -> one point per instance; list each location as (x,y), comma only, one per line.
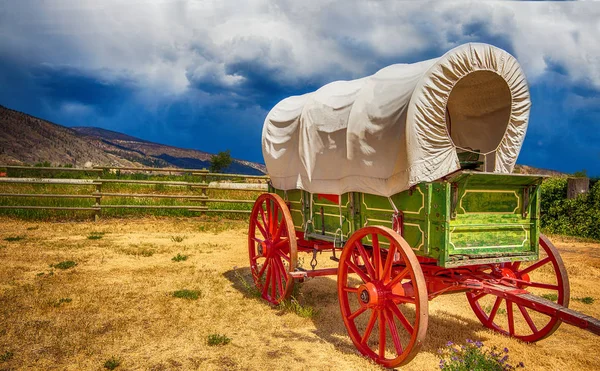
(464,219)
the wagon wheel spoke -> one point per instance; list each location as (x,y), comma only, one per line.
(382,334)
(350,289)
(365,257)
(262,269)
(267,281)
(402,299)
(511,320)
(398,314)
(376,257)
(527,318)
(273,282)
(494,310)
(479,296)
(399,277)
(387,269)
(369,328)
(265,226)
(283,256)
(535,266)
(394,332)
(358,312)
(281,244)
(359,271)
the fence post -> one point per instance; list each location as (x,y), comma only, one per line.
(204,189)
(98,200)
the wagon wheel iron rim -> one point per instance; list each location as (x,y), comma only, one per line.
(387,289)
(272,248)
(531,330)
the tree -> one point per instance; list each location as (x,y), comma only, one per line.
(220,161)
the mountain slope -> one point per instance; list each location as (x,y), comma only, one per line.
(25,139)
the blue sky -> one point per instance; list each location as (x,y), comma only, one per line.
(203,74)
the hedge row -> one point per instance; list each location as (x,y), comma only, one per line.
(576,217)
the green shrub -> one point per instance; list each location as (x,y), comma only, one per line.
(585,300)
(14,238)
(6,356)
(575,217)
(217,339)
(179,258)
(187,294)
(112,363)
(64,264)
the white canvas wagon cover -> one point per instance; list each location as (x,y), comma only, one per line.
(403,125)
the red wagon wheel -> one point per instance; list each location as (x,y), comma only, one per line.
(383,286)
(272,247)
(546,278)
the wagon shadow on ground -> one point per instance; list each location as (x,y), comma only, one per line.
(321,294)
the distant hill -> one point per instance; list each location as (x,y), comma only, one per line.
(25,139)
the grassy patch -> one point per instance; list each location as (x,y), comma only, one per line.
(249,287)
(179,258)
(488,309)
(95,235)
(112,363)
(33,228)
(61,301)
(14,238)
(293,306)
(585,300)
(2,247)
(551,297)
(187,294)
(145,250)
(217,339)
(177,238)
(64,264)
(6,356)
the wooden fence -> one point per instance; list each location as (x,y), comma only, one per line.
(202,182)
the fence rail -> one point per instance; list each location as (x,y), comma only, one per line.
(100,196)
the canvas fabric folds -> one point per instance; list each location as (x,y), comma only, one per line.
(403,125)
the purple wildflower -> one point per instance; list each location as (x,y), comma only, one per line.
(504,359)
(505,350)
(449,344)
(521,364)
(478,344)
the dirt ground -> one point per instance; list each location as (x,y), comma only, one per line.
(117,302)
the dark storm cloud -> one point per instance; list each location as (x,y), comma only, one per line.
(204,75)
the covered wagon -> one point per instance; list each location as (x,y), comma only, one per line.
(405,177)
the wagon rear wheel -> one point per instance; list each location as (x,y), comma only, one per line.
(272,248)
(383,297)
(546,278)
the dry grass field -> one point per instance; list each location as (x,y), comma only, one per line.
(117,302)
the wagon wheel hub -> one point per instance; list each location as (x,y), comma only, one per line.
(370,295)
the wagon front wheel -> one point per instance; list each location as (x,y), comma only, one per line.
(382,295)
(272,248)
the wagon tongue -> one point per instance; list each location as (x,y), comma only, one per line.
(566,315)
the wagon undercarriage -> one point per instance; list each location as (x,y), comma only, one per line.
(384,287)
